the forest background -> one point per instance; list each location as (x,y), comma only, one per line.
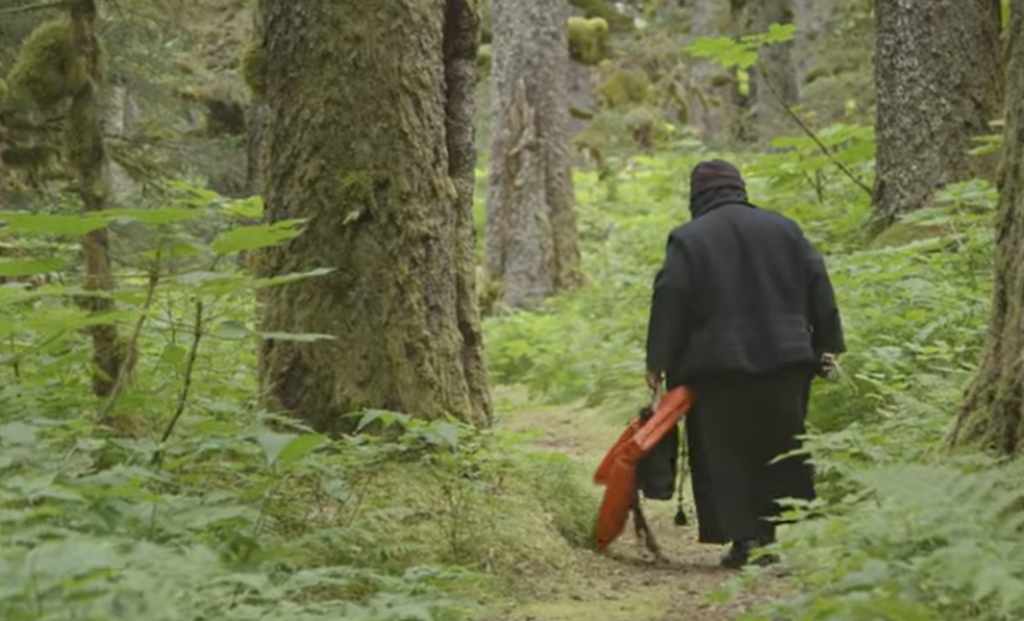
(248,371)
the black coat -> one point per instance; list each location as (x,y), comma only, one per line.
(741,291)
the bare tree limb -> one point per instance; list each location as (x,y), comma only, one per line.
(133,344)
(810,132)
(197,335)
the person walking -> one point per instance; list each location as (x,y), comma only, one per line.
(744,312)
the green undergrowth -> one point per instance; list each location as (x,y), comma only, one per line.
(181,499)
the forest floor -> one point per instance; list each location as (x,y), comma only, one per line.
(626,583)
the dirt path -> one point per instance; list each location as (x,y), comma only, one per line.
(626,584)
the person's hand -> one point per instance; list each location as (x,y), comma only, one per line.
(653,380)
(829,365)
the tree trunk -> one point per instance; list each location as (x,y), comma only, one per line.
(937,74)
(710,89)
(993,413)
(531,244)
(254,138)
(85,153)
(773,82)
(117,120)
(369,135)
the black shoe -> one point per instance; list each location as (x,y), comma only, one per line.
(737,555)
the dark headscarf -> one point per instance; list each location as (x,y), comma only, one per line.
(713,183)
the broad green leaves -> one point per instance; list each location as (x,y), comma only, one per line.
(287,448)
(740,52)
(254,237)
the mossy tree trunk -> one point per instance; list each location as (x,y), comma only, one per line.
(369,135)
(773,85)
(531,242)
(993,413)
(85,153)
(255,122)
(939,84)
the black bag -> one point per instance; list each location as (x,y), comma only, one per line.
(656,473)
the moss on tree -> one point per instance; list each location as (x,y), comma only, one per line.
(588,39)
(4,91)
(604,9)
(623,87)
(49,69)
(254,69)
(993,412)
(368,135)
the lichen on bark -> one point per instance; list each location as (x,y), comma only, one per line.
(992,415)
(939,85)
(369,136)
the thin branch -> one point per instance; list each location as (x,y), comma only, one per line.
(39,6)
(807,130)
(197,335)
(129,360)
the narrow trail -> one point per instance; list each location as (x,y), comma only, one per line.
(626,583)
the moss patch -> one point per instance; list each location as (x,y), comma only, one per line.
(588,39)
(625,87)
(48,69)
(254,69)
(605,10)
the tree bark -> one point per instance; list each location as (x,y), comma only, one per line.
(710,89)
(773,86)
(254,137)
(531,243)
(85,151)
(938,80)
(369,135)
(993,413)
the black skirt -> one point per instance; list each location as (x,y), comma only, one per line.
(738,425)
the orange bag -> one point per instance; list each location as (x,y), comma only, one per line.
(617,471)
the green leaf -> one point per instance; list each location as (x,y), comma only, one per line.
(28,267)
(273,443)
(387,418)
(18,433)
(172,355)
(51,224)
(257,236)
(251,207)
(164,215)
(447,433)
(300,447)
(287,447)
(232,329)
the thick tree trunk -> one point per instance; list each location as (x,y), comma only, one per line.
(531,244)
(937,74)
(86,155)
(774,82)
(369,135)
(993,413)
